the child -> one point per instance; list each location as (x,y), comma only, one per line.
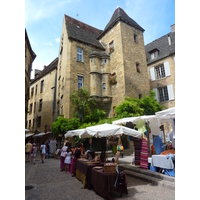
(33,153)
(68,159)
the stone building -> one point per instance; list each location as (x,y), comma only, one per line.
(29,58)
(160,56)
(110,63)
(42,99)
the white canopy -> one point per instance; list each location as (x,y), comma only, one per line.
(74,133)
(168,112)
(26,130)
(41,134)
(134,120)
(104,130)
(29,134)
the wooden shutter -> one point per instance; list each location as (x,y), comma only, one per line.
(152,73)
(167,69)
(156,91)
(170,92)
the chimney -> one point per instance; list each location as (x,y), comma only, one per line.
(169,40)
(172,28)
(37,73)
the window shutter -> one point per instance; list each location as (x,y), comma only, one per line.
(156,91)
(170,92)
(167,68)
(152,73)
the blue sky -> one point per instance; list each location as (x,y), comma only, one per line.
(43,20)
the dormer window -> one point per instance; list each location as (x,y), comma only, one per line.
(154,55)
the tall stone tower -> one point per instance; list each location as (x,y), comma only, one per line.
(123,40)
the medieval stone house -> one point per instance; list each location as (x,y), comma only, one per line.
(110,63)
(42,99)
(160,56)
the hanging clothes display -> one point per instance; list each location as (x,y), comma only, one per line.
(144,154)
(141,126)
(137,145)
(155,126)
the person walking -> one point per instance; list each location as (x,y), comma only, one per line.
(28,151)
(62,156)
(47,145)
(68,159)
(43,149)
(33,153)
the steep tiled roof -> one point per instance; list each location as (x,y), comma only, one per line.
(162,45)
(82,32)
(119,14)
(29,46)
(53,65)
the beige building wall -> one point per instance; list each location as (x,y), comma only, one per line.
(47,96)
(168,80)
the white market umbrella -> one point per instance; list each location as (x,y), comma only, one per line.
(167,112)
(41,134)
(29,134)
(26,130)
(108,130)
(74,133)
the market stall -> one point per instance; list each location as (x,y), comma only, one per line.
(154,122)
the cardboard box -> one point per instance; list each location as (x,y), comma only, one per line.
(109,167)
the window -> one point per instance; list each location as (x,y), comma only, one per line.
(111,46)
(154,55)
(140,96)
(61,110)
(31,107)
(79,55)
(80,81)
(35,89)
(42,86)
(40,105)
(135,38)
(39,121)
(138,67)
(32,91)
(160,72)
(93,60)
(29,123)
(104,86)
(163,94)
(34,106)
(105,61)
(33,122)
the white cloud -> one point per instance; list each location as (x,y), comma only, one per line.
(48,44)
(41,9)
(57,40)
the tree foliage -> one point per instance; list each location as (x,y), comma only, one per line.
(131,107)
(82,103)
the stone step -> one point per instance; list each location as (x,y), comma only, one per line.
(152,180)
(147,172)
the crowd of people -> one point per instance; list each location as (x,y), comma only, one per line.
(32,149)
(69,155)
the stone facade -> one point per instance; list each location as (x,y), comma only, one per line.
(29,58)
(161,68)
(100,61)
(42,99)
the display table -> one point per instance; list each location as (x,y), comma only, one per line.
(83,172)
(103,183)
(162,161)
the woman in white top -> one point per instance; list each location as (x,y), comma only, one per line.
(43,149)
(68,159)
(62,157)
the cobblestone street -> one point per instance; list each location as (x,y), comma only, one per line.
(50,184)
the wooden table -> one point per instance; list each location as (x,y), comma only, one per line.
(103,183)
(83,172)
